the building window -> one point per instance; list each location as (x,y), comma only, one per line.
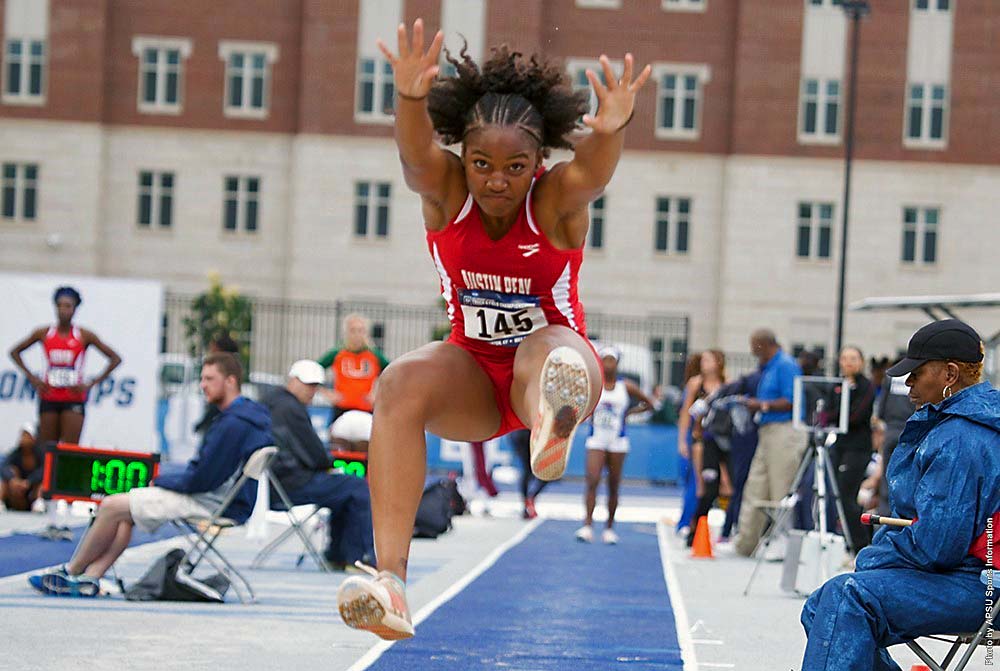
(684,5)
(371,209)
(24,71)
(161,73)
(820,110)
(578,73)
(156,199)
(815,231)
(19,191)
(932,5)
(375,90)
(241,204)
(596,234)
(926,114)
(248,77)
(673,217)
(679,100)
(920,235)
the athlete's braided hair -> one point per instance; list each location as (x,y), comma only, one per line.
(508,90)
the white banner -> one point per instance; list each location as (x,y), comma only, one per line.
(126,314)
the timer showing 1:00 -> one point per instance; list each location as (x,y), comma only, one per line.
(76,473)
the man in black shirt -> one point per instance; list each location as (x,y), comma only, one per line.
(302,466)
(21,471)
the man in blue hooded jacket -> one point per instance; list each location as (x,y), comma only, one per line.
(945,475)
(241,428)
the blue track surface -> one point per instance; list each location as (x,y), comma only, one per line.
(553,603)
(20,553)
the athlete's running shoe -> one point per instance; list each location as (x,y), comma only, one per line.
(58,582)
(565,393)
(584,534)
(377,603)
(609,537)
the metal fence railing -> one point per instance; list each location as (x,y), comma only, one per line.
(285,330)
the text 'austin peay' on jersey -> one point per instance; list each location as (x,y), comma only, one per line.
(500,291)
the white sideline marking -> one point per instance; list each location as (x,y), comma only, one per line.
(378,649)
(717,665)
(677,600)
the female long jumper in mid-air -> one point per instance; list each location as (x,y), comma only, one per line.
(506,236)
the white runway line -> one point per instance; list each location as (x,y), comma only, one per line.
(677,600)
(379,648)
(716,665)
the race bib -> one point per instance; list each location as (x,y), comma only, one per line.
(605,417)
(499,318)
(62,377)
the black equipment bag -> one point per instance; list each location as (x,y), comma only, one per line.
(439,502)
(164,582)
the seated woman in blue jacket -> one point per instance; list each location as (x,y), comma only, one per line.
(241,428)
(945,474)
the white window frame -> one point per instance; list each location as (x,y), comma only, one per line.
(673,217)
(156,192)
(921,229)
(142,43)
(26,59)
(248,50)
(925,141)
(373,201)
(243,199)
(599,4)
(933,6)
(577,66)
(702,73)
(20,184)
(598,212)
(684,5)
(822,100)
(381,76)
(815,223)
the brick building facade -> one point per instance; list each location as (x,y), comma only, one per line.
(148,138)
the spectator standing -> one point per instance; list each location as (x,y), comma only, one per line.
(743,447)
(21,471)
(356,366)
(531,486)
(709,377)
(779,446)
(303,463)
(853,450)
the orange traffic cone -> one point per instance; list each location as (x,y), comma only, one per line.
(920,667)
(702,546)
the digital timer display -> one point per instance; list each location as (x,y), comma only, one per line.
(78,473)
(350,463)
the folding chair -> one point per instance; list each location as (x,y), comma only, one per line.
(297,526)
(206,530)
(984,636)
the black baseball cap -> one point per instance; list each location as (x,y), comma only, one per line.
(946,339)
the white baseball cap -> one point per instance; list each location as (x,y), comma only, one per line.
(610,351)
(30,429)
(353,425)
(307,371)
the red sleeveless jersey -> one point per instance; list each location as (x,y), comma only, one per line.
(64,356)
(499,291)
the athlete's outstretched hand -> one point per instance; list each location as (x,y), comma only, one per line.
(413,68)
(616,101)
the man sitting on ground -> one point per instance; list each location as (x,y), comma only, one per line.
(21,471)
(241,428)
(302,466)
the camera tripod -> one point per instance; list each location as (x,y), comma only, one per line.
(817,456)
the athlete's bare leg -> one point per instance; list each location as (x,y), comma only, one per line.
(70,426)
(616,462)
(531,353)
(102,534)
(595,466)
(442,389)
(48,427)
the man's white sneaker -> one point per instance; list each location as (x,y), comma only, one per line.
(377,603)
(585,534)
(563,399)
(609,537)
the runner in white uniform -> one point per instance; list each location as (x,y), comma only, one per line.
(607,444)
